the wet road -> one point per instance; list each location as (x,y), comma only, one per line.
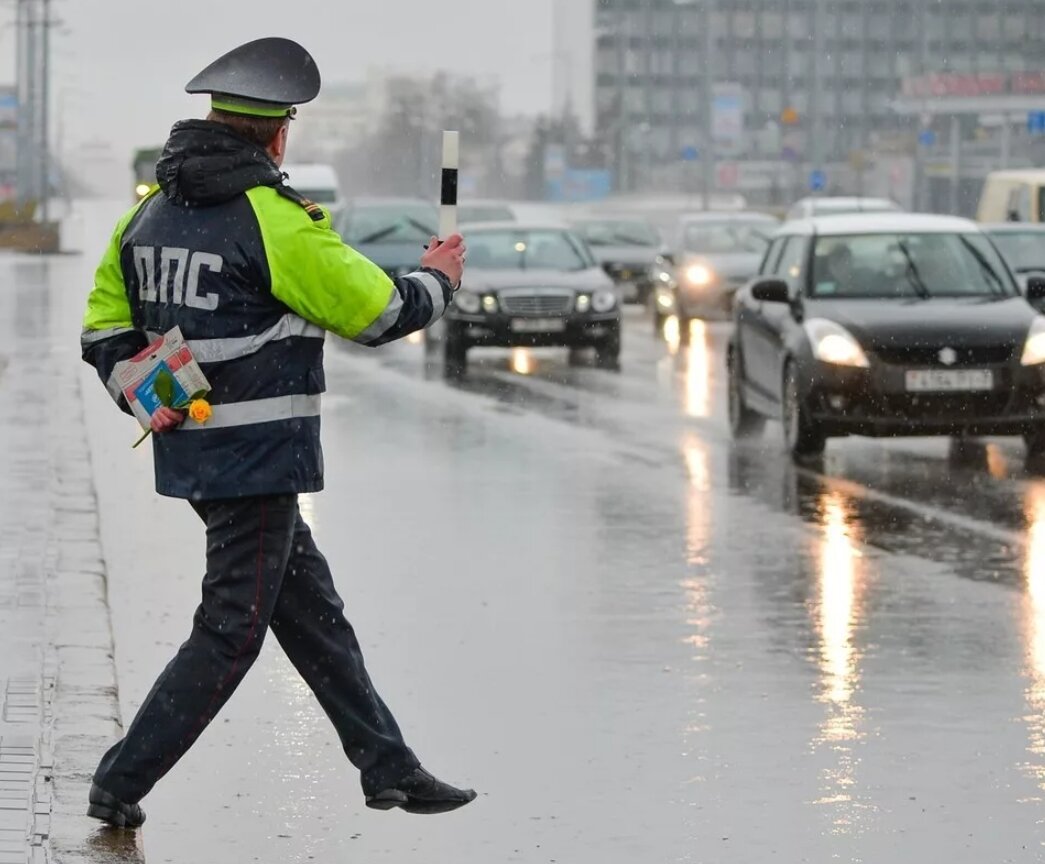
(637,640)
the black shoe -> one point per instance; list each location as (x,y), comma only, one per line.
(420,792)
(110,809)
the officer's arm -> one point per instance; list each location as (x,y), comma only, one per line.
(330,284)
(109,334)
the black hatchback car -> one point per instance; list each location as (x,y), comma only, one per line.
(886,325)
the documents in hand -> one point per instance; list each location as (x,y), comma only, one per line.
(169,361)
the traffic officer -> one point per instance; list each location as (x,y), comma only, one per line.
(254,276)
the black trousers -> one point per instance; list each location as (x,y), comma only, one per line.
(263,570)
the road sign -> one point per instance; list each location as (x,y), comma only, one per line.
(728,175)
(817,180)
(1036,122)
(789,117)
(689,154)
(927,138)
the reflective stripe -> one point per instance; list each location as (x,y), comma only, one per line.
(385,321)
(257,411)
(435,291)
(113,386)
(219,350)
(89,337)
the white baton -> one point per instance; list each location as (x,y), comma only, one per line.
(448,193)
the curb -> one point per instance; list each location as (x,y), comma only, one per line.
(81,708)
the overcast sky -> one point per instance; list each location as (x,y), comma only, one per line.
(121,65)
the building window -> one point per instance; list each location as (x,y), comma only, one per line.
(1015,26)
(988,27)
(853,63)
(772,25)
(662,63)
(664,22)
(771,102)
(852,26)
(744,25)
(744,64)
(961,28)
(691,63)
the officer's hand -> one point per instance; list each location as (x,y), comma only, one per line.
(446,256)
(165,419)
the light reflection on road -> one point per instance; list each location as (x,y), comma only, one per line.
(522,361)
(672,335)
(694,358)
(1034,630)
(698,371)
(695,586)
(837,613)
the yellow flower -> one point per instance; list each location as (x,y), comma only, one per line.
(200,410)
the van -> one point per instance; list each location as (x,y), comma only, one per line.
(1013,196)
(316,182)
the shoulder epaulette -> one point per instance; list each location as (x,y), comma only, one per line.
(314,211)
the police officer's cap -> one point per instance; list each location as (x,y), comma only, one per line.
(263,78)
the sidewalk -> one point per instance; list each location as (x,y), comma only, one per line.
(58,697)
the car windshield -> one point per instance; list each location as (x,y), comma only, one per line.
(484,213)
(904,266)
(618,233)
(527,250)
(388,223)
(1024,250)
(709,238)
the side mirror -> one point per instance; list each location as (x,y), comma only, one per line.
(771,291)
(669,257)
(1036,287)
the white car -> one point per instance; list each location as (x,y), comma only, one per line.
(317,182)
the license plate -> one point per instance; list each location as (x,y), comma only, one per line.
(949,380)
(538,325)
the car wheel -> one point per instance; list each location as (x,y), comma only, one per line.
(802,436)
(743,422)
(455,352)
(607,352)
(967,452)
(1035,442)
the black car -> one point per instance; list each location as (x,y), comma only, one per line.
(886,325)
(391,232)
(631,252)
(531,285)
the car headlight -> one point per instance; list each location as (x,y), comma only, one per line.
(603,301)
(1034,347)
(583,302)
(660,273)
(467,302)
(833,344)
(489,303)
(699,275)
